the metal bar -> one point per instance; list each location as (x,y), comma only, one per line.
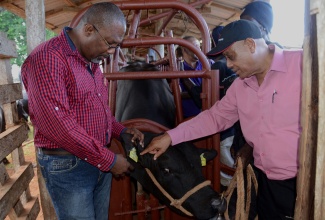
(153,4)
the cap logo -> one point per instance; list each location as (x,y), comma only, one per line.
(220,39)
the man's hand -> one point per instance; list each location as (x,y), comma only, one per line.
(158,145)
(121,166)
(246,154)
(137,135)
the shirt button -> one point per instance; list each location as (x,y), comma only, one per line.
(56,108)
(98,165)
(86,159)
(99,94)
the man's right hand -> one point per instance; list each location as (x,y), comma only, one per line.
(246,154)
(121,166)
(158,145)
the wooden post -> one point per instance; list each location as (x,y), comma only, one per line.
(35,23)
(310,183)
(319,207)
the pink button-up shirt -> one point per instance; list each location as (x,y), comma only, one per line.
(269,115)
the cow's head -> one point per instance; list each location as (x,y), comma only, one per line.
(178,171)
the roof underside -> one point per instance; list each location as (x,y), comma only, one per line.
(59,13)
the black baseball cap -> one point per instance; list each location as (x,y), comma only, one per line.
(233,32)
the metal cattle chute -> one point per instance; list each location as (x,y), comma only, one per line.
(121,206)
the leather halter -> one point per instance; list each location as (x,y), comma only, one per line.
(177,203)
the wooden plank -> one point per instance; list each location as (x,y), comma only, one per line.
(18,157)
(70,3)
(31,210)
(5,72)
(320,162)
(308,140)
(3,174)
(7,47)
(12,138)
(12,190)
(16,210)
(10,93)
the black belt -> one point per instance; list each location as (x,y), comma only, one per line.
(55,151)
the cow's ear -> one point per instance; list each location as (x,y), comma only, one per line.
(207,154)
(126,141)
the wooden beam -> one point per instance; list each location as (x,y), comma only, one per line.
(12,190)
(70,3)
(58,11)
(13,8)
(319,211)
(21,13)
(12,138)
(226,7)
(10,93)
(204,10)
(7,47)
(31,209)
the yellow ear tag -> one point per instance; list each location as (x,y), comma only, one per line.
(133,154)
(203,160)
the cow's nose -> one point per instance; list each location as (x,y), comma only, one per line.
(219,205)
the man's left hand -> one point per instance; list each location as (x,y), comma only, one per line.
(137,135)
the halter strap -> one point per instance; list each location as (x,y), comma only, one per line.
(177,203)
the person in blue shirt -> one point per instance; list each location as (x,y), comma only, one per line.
(191,87)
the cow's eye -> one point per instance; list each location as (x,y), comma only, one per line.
(166,171)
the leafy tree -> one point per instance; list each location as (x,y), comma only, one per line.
(15,28)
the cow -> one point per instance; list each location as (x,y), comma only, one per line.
(176,177)
(145,98)
(178,170)
(22,106)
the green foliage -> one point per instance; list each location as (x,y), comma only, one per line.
(15,28)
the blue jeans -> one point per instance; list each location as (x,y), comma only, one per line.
(78,190)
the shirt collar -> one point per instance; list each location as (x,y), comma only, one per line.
(70,42)
(278,63)
(71,49)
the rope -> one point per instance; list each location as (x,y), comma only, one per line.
(177,203)
(242,207)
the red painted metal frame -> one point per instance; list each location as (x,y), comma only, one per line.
(210,93)
(154,4)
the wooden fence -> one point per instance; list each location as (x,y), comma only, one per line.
(16,201)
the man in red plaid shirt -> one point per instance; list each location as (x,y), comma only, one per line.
(68,107)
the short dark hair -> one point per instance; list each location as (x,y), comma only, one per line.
(104,13)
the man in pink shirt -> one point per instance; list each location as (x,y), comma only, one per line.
(266,99)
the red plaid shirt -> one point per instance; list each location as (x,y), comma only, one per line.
(68,102)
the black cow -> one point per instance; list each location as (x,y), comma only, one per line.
(145,98)
(178,171)
(22,106)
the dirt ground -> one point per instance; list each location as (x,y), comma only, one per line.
(29,153)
